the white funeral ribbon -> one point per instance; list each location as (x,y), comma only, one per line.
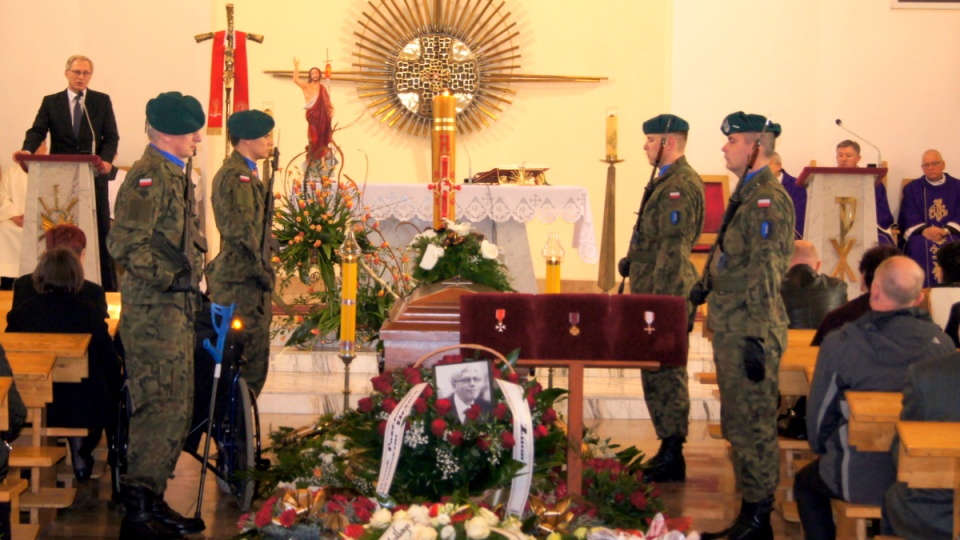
(393,439)
(522,449)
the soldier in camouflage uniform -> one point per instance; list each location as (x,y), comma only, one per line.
(153,239)
(238,274)
(749,318)
(670,221)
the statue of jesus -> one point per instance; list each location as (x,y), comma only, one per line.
(319,111)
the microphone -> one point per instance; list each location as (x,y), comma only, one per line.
(879,158)
(93,134)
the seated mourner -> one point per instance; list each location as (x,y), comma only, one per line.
(809,295)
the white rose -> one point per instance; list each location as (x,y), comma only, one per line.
(429,233)
(424,533)
(448,533)
(431,255)
(443,519)
(489,516)
(420,515)
(489,250)
(401,515)
(512,524)
(477,528)
(381,518)
(460,229)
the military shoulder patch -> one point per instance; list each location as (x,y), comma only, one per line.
(675,217)
(766,229)
(674,195)
(245,179)
(145,182)
(763,203)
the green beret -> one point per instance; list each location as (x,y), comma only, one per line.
(665,123)
(175,114)
(741,122)
(250,125)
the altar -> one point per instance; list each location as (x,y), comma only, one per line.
(499,212)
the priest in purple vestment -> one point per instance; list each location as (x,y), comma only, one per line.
(930,215)
(798,194)
(848,155)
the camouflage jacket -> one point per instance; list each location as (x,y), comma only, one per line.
(672,221)
(746,273)
(238,204)
(152,199)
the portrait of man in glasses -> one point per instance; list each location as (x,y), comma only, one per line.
(470,384)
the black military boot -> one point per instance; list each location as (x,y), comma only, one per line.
(668,465)
(174,519)
(139,520)
(753,523)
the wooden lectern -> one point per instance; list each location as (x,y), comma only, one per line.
(60,190)
(841,218)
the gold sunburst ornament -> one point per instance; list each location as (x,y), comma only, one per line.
(411,50)
(51,217)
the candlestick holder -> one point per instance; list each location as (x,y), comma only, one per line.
(606,275)
(346,355)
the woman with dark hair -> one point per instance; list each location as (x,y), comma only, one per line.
(53,304)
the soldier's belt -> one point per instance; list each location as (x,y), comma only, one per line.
(728,285)
(642,256)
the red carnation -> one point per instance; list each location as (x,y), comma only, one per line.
(382,428)
(427,391)
(455,437)
(365,405)
(242,522)
(483,443)
(265,514)
(438,426)
(500,411)
(444,406)
(540,431)
(354,530)
(435,509)
(473,412)
(389,405)
(639,500)
(549,416)
(507,438)
(362,513)
(288,517)
(412,375)
(420,405)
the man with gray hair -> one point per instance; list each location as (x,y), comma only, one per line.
(809,295)
(469,385)
(872,353)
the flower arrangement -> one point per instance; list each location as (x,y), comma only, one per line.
(446,521)
(306,513)
(455,252)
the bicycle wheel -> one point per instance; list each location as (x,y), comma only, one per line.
(236,449)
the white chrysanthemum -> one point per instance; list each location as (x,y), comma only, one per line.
(421,532)
(431,254)
(489,250)
(491,518)
(448,533)
(381,518)
(419,514)
(477,528)
(442,519)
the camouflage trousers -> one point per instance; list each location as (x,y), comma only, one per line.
(748,412)
(159,342)
(668,400)
(254,310)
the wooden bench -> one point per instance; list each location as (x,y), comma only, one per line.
(873,419)
(851,519)
(113,308)
(10,490)
(930,459)
(796,370)
(69,350)
(797,337)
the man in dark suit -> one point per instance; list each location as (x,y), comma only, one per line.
(809,295)
(81,121)
(470,388)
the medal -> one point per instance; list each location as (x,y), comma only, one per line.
(574,321)
(501,314)
(648,318)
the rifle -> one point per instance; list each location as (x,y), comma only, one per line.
(701,290)
(624,266)
(268,244)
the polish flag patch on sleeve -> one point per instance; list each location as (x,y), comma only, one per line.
(674,195)
(146,182)
(245,179)
(763,203)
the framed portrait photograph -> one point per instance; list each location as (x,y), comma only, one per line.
(465,384)
(925,4)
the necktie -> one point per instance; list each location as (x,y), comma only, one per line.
(77,115)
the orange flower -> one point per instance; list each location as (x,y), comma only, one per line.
(317,243)
(302,204)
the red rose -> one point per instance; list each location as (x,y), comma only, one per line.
(427,391)
(618,497)
(438,426)
(412,375)
(265,514)
(288,517)
(561,490)
(483,443)
(242,522)
(473,412)
(389,405)
(531,402)
(497,374)
(534,389)
(540,431)
(507,439)
(500,411)
(354,530)
(382,428)
(639,500)
(549,416)
(455,437)
(462,516)
(362,513)
(513,377)
(444,406)
(420,405)
(365,405)
(435,509)
(383,383)
(451,359)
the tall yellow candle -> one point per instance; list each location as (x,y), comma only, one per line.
(553,276)
(612,134)
(553,253)
(444,139)
(349,252)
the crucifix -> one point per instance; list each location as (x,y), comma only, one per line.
(230,54)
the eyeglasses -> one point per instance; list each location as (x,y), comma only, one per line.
(78,73)
(931,164)
(469,379)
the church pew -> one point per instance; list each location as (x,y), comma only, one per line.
(930,459)
(70,351)
(873,419)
